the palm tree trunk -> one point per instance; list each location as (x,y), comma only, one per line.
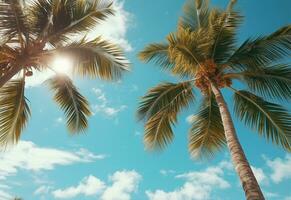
(6,77)
(240,162)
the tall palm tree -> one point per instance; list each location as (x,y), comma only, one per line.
(204,56)
(33,33)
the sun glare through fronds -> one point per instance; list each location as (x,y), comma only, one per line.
(62,65)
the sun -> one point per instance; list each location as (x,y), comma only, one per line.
(62,65)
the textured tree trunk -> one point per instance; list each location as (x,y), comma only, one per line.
(6,77)
(240,162)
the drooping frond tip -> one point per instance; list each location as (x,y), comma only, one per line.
(74,105)
(272,121)
(206,135)
(14,112)
(160,107)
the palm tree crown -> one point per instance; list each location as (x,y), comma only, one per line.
(204,55)
(203,52)
(32,34)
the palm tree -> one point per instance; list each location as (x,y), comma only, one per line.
(203,54)
(33,33)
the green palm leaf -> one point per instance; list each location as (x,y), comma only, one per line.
(158,130)
(96,58)
(67,16)
(75,106)
(271,120)
(223,29)
(14,112)
(158,53)
(195,15)
(13,21)
(188,50)
(165,98)
(271,82)
(262,50)
(206,135)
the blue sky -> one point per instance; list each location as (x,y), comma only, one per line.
(109,162)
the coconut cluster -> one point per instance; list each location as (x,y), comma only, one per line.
(207,73)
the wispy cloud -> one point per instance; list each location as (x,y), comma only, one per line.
(102,106)
(198,185)
(30,157)
(123,184)
(166,172)
(42,190)
(5,195)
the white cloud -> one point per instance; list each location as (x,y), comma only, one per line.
(4,186)
(280,168)
(260,175)
(124,183)
(114,29)
(270,194)
(89,186)
(42,190)
(211,176)
(188,191)
(5,195)
(165,172)
(198,185)
(103,107)
(28,156)
(288,198)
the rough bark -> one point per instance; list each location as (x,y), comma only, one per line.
(248,180)
(6,77)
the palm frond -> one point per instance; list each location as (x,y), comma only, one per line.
(68,17)
(271,82)
(263,50)
(195,15)
(40,16)
(206,135)
(96,58)
(223,28)
(272,121)
(165,98)
(75,106)
(188,50)
(158,130)
(13,24)
(14,112)
(158,53)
